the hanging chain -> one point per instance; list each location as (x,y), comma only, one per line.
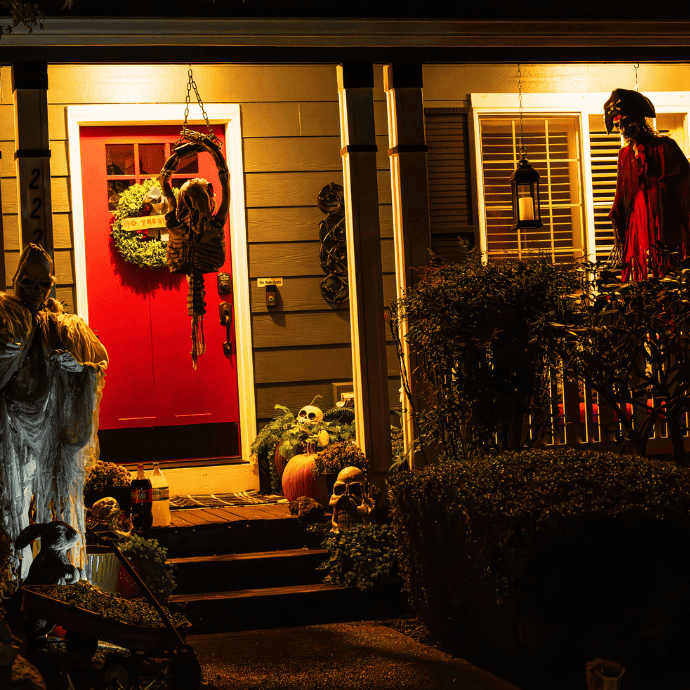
(523,150)
(187,133)
(637,88)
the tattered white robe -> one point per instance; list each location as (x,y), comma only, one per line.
(48,416)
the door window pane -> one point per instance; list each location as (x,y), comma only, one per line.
(188,166)
(115,188)
(151,158)
(119,159)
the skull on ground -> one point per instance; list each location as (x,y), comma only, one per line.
(105,509)
(350,501)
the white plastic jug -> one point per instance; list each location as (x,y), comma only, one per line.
(161,498)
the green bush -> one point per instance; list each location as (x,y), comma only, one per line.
(361,557)
(337,456)
(629,342)
(151,556)
(102,476)
(498,519)
(484,351)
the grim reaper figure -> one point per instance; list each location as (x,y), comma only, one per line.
(651,210)
(51,376)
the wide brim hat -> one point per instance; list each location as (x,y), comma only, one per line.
(626,103)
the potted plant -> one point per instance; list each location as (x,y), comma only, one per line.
(105,479)
(329,462)
(148,559)
(287,436)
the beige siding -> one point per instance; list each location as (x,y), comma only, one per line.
(267,396)
(291,150)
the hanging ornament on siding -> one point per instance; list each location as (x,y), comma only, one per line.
(524,183)
(333,253)
(196,242)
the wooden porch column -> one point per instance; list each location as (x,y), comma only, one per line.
(32,153)
(407,152)
(367,324)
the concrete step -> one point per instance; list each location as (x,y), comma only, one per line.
(248,571)
(239,536)
(286,606)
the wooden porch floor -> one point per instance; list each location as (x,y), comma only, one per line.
(197,517)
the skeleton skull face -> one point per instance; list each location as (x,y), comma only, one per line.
(309,414)
(196,200)
(34,277)
(350,499)
(626,111)
(106,510)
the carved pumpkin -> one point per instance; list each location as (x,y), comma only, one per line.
(298,478)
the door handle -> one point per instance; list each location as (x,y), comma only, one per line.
(225,310)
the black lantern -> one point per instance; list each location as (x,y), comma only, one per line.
(524,184)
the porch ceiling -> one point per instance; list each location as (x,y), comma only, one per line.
(100,39)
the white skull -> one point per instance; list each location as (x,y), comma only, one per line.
(309,414)
(350,499)
(34,277)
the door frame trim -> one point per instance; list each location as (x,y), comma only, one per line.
(170,114)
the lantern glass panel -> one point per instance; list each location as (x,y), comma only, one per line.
(525,202)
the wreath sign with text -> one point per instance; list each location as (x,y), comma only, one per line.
(130,228)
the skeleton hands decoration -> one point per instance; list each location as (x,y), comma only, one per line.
(196,241)
(353,500)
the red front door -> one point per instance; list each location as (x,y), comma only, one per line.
(140,314)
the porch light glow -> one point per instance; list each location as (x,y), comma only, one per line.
(524,184)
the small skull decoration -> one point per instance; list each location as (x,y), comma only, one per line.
(351,500)
(309,414)
(107,510)
(34,277)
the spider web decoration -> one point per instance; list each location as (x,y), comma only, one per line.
(333,252)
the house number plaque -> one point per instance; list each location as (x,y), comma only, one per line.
(33,180)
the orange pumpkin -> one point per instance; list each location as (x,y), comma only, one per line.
(298,478)
(279,461)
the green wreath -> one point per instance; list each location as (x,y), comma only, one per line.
(149,253)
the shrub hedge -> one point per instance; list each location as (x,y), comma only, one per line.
(587,548)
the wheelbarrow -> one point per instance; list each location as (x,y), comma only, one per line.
(162,649)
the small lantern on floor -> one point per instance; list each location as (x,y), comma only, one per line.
(524,184)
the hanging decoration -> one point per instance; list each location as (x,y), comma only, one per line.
(650,214)
(524,183)
(333,252)
(138,225)
(196,241)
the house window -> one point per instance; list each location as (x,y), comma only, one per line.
(567,144)
(554,150)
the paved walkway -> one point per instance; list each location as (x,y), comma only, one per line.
(341,656)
